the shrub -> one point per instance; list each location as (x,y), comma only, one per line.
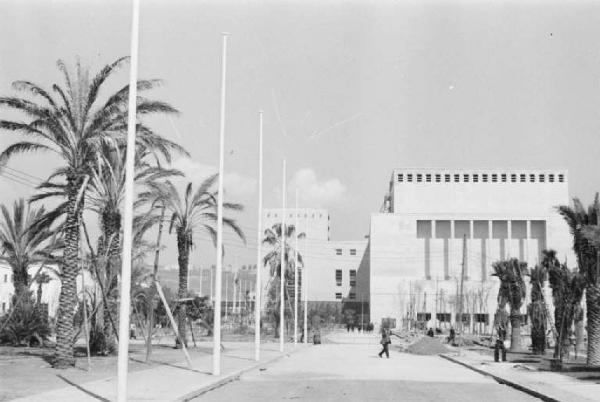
(28,324)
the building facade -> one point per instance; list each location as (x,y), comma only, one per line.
(332,271)
(438,225)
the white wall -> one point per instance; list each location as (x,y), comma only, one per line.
(50,290)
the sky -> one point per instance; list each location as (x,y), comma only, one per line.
(350,90)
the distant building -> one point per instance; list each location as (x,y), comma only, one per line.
(312,222)
(410,267)
(335,271)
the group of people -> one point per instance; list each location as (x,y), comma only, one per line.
(368,328)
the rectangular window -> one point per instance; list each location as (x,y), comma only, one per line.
(438,178)
(484,178)
(338,277)
(428,178)
(352,251)
(409,178)
(513,178)
(424,229)
(551,178)
(561,178)
(447,178)
(419,177)
(532,178)
(542,178)
(522,178)
(400,177)
(338,251)
(475,178)
(494,178)
(352,277)
(352,296)
(466,178)
(503,178)
(338,296)
(457,178)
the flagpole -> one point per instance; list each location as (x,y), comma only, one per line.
(128,211)
(296,273)
(282,267)
(257,299)
(217,313)
(305,287)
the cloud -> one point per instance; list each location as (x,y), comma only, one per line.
(236,184)
(313,193)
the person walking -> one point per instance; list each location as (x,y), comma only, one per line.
(499,348)
(385,342)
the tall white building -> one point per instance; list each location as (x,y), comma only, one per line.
(434,219)
(314,223)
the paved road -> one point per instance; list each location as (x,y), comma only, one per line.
(345,373)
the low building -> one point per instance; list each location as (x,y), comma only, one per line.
(48,291)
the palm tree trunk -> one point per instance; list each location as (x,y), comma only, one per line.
(592,298)
(183,260)
(515,333)
(67,299)
(152,294)
(109,248)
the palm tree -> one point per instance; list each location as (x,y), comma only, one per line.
(583,224)
(537,309)
(567,291)
(22,246)
(71,122)
(273,238)
(196,212)
(105,195)
(511,273)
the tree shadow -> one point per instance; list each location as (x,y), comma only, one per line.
(79,387)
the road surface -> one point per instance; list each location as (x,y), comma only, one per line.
(354,372)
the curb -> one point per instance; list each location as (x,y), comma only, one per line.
(228,378)
(503,380)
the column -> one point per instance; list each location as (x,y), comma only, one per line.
(527,237)
(432,243)
(509,240)
(488,257)
(451,256)
(470,244)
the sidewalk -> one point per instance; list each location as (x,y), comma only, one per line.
(170,382)
(549,386)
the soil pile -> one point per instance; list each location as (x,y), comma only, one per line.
(427,346)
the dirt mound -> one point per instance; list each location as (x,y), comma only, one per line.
(427,346)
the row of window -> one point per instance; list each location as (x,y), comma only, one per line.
(338,277)
(483,177)
(351,296)
(483,318)
(338,251)
(292,215)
